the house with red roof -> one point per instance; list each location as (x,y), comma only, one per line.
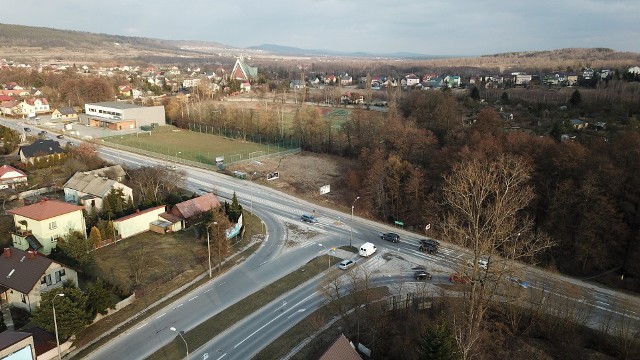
(26,275)
(11,177)
(39,226)
(189,211)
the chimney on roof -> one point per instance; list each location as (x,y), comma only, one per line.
(30,254)
(7,252)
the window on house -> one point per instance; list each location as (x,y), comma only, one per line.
(53,225)
(58,277)
(44,280)
(62,272)
(49,282)
(24,299)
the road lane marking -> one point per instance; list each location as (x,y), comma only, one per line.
(193,298)
(298,312)
(222,283)
(274,319)
(161,315)
(177,306)
(225,354)
(284,303)
(207,291)
(141,326)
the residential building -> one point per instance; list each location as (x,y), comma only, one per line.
(412,80)
(39,151)
(11,177)
(119,115)
(346,80)
(26,275)
(39,105)
(522,79)
(114,172)
(190,210)
(242,71)
(138,222)
(40,225)
(17,345)
(453,81)
(341,348)
(578,124)
(66,112)
(89,190)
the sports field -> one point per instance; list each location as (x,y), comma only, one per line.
(184,145)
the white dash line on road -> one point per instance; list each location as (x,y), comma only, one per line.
(193,298)
(161,315)
(177,306)
(141,326)
(223,355)
(208,291)
(222,283)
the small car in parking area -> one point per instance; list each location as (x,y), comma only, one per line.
(27,129)
(393,237)
(422,275)
(345,264)
(60,136)
(309,218)
(429,246)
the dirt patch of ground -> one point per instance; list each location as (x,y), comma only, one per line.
(302,175)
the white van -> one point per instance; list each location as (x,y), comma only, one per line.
(367,249)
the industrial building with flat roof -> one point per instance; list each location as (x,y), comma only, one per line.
(117,115)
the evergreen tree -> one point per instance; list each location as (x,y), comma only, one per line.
(235,209)
(107,208)
(94,237)
(99,297)
(576,99)
(504,98)
(109,231)
(72,313)
(438,343)
(76,248)
(475,93)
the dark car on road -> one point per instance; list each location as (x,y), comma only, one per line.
(422,275)
(27,129)
(309,218)
(393,237)
(429,246)
(60,136)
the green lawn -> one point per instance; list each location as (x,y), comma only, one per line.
(200,146)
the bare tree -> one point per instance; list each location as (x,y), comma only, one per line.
(483,210)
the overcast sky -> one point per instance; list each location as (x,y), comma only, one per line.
(431,27)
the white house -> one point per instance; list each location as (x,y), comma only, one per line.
(40,225)
(137,222)
(89,190)
(26,275)
(11,177)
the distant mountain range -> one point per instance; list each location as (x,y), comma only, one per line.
(288,50)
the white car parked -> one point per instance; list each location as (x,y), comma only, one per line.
(345,264)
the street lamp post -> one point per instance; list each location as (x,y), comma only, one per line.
(209,248)
(179,152)
(185,341)
(55,324)
(327,251)
(353,204)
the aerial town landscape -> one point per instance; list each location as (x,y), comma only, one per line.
(190,199)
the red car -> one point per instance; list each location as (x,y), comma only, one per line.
(459,278)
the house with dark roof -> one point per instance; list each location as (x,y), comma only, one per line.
(17,345)
(39,226)
(26,275)
(89,190)
(11,177)
(39,151)
(66,112)
(189,211)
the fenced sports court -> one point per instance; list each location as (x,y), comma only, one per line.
(200,148)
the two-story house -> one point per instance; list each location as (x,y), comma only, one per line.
(90,188)
(26,275)
(40,225)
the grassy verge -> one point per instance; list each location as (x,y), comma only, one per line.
(143,303)
(307,327)
(236,312)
